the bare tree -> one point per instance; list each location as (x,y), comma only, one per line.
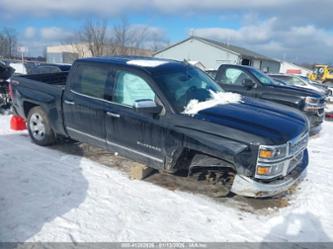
(120,36)
(8,43)
(97,39)
(93,34)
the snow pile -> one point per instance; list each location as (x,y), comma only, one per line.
(329,108)
(47,195)
(146,63)
(220,98)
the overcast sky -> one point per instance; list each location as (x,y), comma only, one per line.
(295,30)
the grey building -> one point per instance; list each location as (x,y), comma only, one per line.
(213,53)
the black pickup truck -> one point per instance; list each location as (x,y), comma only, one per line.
(171,116)
(251,82)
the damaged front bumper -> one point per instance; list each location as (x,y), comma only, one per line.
(245,186)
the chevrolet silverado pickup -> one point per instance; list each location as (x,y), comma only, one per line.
(172,117)
(251,82)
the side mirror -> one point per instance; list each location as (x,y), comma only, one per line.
(147,106)
(248,83)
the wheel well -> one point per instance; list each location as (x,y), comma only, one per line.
(27,106)
(190,159)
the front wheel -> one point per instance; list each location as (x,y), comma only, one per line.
(39,127)
(216,182)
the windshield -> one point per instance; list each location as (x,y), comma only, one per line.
(291,80)
(184,85)
(263,78)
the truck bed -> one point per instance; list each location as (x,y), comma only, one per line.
(44,90)
(48,78)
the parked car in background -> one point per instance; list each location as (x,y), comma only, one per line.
(211,73)
(5,73)
(43,68)
(295,80)
(28,67)
(171,116)
(20,68)
(249,81)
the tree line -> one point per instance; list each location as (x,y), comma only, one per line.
(120,39)
(8,43)
(98,38)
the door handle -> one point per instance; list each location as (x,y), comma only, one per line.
(69,102)
(114,115)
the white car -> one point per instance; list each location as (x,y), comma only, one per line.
(19,67)
(300,81)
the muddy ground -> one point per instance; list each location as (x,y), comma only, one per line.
(174,183)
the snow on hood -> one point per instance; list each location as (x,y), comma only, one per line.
(146,63)
(220,98)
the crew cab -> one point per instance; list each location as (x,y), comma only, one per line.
(172,117)
(251,82)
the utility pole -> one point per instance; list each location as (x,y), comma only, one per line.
(22,50)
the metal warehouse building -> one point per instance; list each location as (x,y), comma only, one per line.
(212,54)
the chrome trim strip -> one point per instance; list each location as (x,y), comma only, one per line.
(114,115)
(135,151)
(85,134)
(104,100)
(117,145)
(69,102)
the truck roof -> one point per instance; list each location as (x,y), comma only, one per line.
(149,64)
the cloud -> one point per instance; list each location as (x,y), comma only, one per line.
(306,43)
(295,28)
(30,32)
(55,34)
(36,39)
(297,11)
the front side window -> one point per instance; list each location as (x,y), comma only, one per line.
(90,80)
(263,78)
(234,76)
(130,88)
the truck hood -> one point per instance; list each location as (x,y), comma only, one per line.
(297,91)
(273,123)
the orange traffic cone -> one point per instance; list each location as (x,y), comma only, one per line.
(17,123)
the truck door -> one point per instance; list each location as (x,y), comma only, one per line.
(139,136)
(84,105)
(233,79)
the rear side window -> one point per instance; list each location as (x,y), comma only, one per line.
(130,87)
(91,80)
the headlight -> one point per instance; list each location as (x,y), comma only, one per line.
(311,100)
(269,163)
(312,104)
(272,152)
(270,171)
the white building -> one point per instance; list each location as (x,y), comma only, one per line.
(212,54)
(69,52)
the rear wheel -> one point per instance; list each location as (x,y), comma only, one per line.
(39,127)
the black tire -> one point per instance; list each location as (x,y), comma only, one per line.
(39,127)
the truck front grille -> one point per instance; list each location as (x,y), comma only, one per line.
(298,145)
(294,162)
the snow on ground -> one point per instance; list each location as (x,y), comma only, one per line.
(329,107)
(48,195)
